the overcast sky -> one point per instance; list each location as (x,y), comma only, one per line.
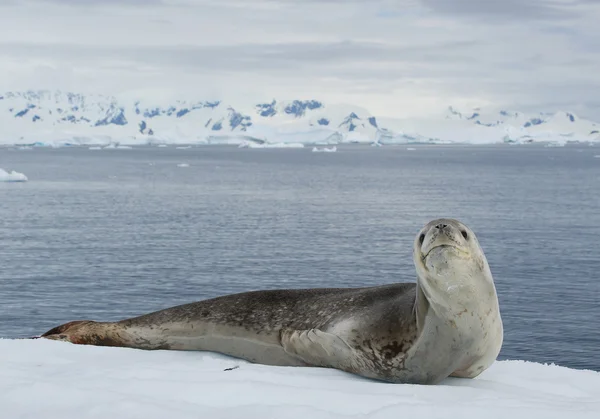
(396,58)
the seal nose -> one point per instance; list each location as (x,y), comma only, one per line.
(441,226)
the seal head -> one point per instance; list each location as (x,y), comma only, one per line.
(455,286)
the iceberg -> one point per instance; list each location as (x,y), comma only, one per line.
(12,176)
(58,380)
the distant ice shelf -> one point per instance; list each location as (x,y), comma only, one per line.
(56,118)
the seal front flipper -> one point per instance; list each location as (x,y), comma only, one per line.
(318,348)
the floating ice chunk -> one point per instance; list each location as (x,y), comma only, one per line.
(183,148)
(411,149)
(12,176)
(183,165)
(162,145)
(324,150)
(597,156)
(95,148)
(124,147)
(253,144)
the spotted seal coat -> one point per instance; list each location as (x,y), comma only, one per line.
(446,324)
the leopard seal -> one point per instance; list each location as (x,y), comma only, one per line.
(446,324)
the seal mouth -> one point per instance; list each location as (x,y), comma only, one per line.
(441,246)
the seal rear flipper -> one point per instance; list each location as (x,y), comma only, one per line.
(63,328)
(318,348)
(87,332)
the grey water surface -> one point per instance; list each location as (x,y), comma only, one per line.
(110,234)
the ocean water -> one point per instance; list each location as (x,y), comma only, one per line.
(110,234)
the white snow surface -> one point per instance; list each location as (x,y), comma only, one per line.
(12,176)
(57,380)
(56,118)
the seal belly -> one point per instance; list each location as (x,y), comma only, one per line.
(261,347)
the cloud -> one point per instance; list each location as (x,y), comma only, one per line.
(395,58)
(101,3)
(498,11)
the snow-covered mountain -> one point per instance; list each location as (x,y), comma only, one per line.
(55,117)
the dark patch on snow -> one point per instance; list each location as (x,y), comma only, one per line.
(116,119)
(373,121)
(266,109)
(298,107)
(217,126)
(151,113)
(182,112)
(533,121)
(142,127)
(236,119)
(323,121)
(350,121)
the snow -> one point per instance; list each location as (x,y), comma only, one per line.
(12,176)
(55,118)
(57,380)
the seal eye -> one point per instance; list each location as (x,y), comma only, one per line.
(464,234)
(421,238)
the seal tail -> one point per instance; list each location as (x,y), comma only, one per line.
(62,328)
(86,332)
